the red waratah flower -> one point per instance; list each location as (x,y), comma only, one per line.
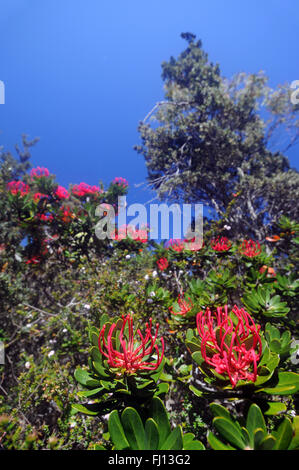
(62,193)
(250,248)
(162,263)
(220,244)
(133,353)
(38,196)
(175,244)
(83,189)
(45,217)
(33,260)
(39,172)
(120,182)
(18,188)
(184,307)
(231,344)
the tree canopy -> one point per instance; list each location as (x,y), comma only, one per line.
(210,141)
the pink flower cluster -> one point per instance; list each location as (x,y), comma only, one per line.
(39,172)
(84,189)
(120,182)
(133,354)
(231,344)
(62,193)
(18,188)
(130,232)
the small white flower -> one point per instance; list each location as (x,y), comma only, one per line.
(146,277)
(128,256)
(154,274)
(27,365)
(149,301)
(87,306)
(64,330)
(227,227)
(152,294)
(51,353)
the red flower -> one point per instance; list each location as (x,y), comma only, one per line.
(45,217)
(37,196)
(162,263)
(62,193)
(18,187)
(220,244)
(250,248)
(129,231)
(184,306)
(39,172)
(133,354)
(270,271)
(83,189)
(33,260)
(231,344)
(175,244)
(120,182)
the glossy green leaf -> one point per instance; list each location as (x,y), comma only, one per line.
(174,440)
(288,384)
(116,431)
(283,435)
(255,420)
(133,428)
(216,444)
(230,431)
(159,414)
(151,435)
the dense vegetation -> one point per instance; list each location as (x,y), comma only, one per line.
(129,343)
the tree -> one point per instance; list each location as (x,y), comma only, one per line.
(209,143)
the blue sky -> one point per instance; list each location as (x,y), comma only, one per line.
(81,74)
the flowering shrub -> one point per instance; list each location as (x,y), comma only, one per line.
(230,344)
(39,172)
(128,353)
(220,244)
(18,188)
(181,307)
(250,248)
(162,263)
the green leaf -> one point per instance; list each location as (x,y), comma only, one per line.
(84,409)
(159,414)
(196,392)
(255,420)
(267,443)
(230,431)
(283,435)
(216,444)
(116,431)
(219,410)
(288,384)
(174,441)
(133,428)
(151,435)
(275,408)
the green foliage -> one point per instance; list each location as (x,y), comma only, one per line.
(129,432)
(253,434)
